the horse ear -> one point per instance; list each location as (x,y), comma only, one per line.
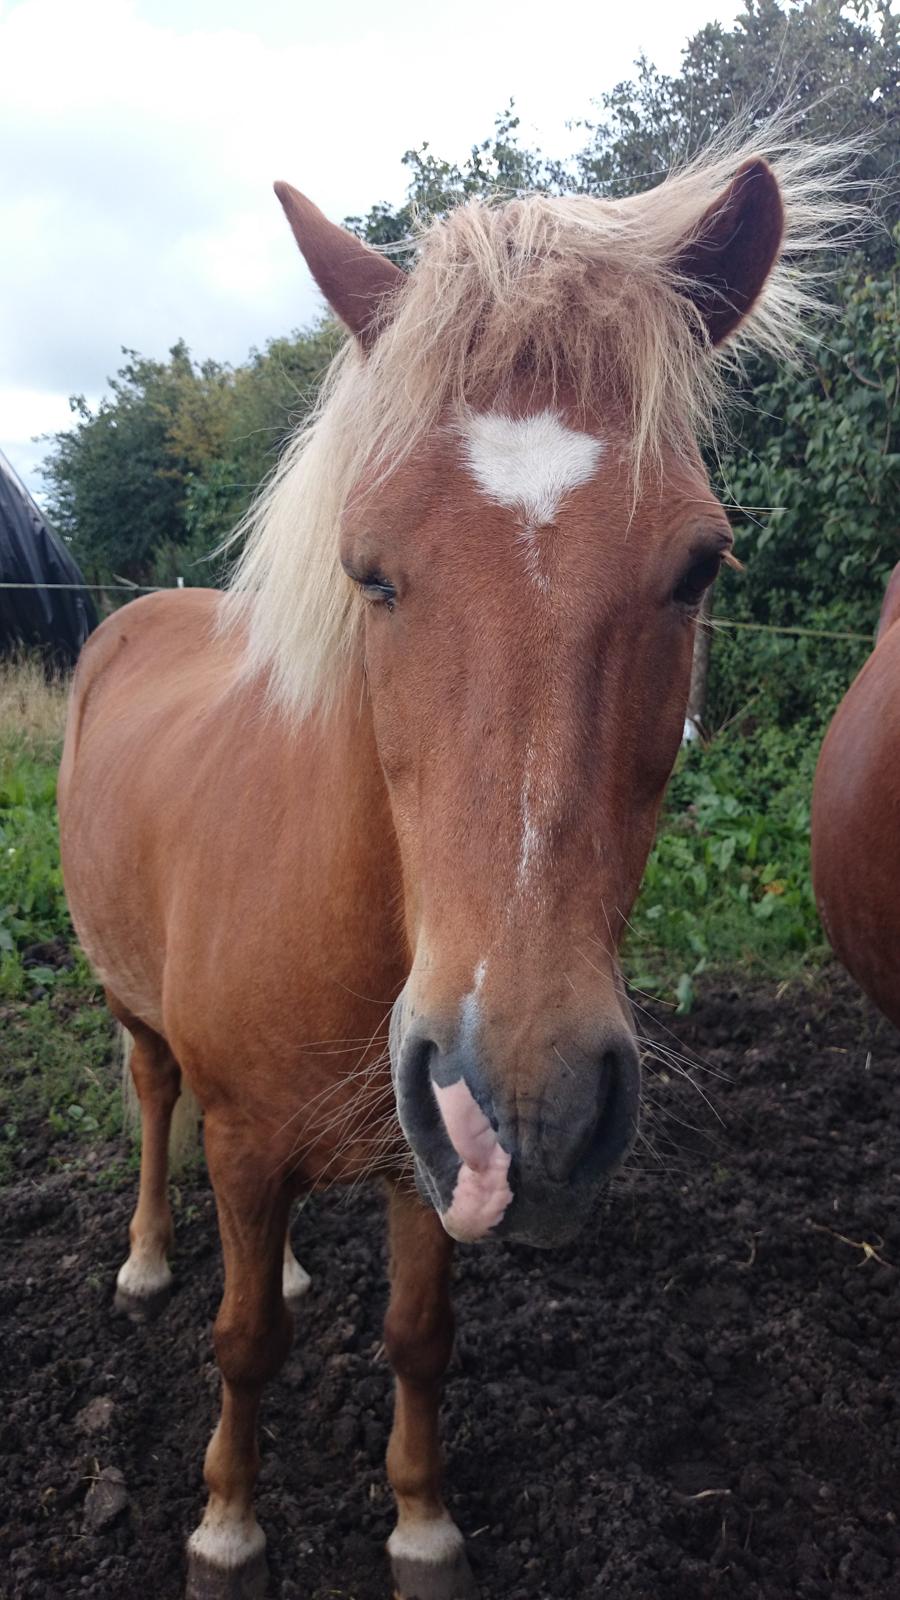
(729,255)
(356,282)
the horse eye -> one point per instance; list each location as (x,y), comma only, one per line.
(379,589)
(693,585)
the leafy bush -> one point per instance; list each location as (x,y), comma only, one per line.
(822,447)
(728,880)
(150,482)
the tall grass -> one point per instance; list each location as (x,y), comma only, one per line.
(58,1069)
(32,708)
(32,903)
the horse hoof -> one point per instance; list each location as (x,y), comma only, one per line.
(142,1307)
(429,1580)
(205,1581)
(143,1287)
(429,1562)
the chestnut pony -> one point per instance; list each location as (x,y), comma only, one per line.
(856,819)
(352,847)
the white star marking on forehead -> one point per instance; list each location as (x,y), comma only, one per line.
(528,463)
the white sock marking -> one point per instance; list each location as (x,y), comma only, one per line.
(227,1540)
(143,1276)
(437,1540)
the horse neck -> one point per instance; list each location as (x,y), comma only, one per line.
(362,851)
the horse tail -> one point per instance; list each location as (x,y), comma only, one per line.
(184,1129)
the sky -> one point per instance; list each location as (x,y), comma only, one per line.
(141,138)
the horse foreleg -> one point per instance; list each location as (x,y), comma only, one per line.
(252,1335)
(427,1551)
(145,1281)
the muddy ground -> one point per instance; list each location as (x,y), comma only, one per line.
(697,1400)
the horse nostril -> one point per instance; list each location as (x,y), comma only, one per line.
(617,1112)
(600,1128)
(574,1142)
(417,1107)
(609,1066)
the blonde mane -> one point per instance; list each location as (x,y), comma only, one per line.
(587,292)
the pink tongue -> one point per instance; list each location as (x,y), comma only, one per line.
(482,1192)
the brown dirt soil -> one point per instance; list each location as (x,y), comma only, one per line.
(697,1400)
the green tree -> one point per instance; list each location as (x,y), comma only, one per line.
(497,165)
(268,396)
(832,66)
(149,484)
(118,478)
(821,447)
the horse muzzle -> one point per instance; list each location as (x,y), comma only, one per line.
(496,1162)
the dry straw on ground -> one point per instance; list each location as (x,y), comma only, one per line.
(32,705)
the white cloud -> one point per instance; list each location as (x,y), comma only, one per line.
(140,142)
(24,414)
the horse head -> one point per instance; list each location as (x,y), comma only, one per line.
(526,533)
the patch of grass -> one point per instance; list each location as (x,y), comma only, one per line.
(32,707)
(120,1173)
(32,903)
(728,883)
(60,1088)
(60,1079)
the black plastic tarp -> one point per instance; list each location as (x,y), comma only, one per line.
(55,621)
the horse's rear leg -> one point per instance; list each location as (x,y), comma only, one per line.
(426,1548)
(145,1281)
(226,1554)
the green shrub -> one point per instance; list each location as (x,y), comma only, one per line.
(728,880)
(32,902)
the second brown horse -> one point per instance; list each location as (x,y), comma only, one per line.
(856,819)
